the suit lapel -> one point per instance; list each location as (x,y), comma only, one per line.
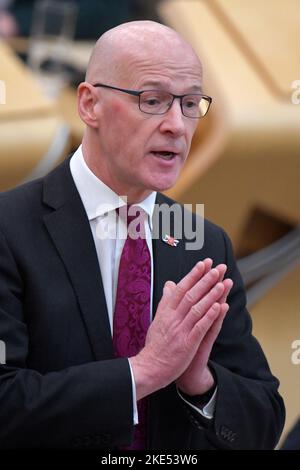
(167,259)
(70,232)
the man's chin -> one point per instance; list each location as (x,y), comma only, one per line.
(165,186)
(161,187)
(163,183)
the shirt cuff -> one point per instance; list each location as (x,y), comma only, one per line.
(208,410)
(134,402)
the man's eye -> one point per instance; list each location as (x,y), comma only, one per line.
(152,101)
(191,104)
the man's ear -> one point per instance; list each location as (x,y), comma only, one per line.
(87,101)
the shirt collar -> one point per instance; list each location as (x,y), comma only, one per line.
(97,197)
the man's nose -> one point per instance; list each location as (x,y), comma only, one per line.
(173,120)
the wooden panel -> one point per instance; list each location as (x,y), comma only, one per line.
(28,122)
(276,322)
(268,33)
(23,96)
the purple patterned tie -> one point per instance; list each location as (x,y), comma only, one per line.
(132,309)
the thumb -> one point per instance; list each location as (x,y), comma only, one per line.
(167,293)
(169,286)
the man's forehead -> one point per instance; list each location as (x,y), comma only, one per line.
(130,49)
(162,52)
(172,85)
(157,73)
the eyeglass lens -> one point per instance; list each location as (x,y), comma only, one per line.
(158,102)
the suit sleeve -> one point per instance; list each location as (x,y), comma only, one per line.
(249,411)
(76,407)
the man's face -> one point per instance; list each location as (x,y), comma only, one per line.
(140,152)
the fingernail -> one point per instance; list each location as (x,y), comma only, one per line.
(219,285)
(226,306)
(222,266)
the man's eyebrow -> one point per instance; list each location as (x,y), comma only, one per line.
(164,86)
(196,89)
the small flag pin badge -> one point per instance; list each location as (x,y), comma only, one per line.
(170,240)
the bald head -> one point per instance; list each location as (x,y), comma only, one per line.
(119,48)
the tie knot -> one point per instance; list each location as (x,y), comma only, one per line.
(135,217)
(129,213)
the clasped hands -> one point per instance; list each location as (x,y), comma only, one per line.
(187,322)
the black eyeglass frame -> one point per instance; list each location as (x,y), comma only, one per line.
(139,93)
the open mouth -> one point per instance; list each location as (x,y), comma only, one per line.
(165,155)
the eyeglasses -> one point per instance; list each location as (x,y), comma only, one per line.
(159,102)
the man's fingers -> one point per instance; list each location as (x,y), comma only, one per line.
(202,326)
(202,287)
(188,282)
(222,268)
(213,332)
(197,291)
(168,293)
(201,308)
(228,286)
(208,300)
(224,309)
(208,262)
(206,330)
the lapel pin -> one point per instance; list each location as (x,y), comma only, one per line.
(170,240)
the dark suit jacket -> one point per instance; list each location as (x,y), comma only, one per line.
(61,387)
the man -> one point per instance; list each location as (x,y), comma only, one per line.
(67,382)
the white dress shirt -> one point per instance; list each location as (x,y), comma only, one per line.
(100,203)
